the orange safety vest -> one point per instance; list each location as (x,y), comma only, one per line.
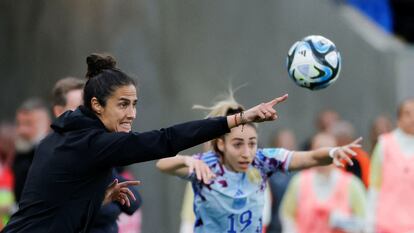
(362,159)
(395,211)
(313,215)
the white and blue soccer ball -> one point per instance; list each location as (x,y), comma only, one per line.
(314,62)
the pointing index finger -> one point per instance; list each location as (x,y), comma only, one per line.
(278,100)
(357,141)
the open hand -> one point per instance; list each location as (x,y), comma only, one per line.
(119,192)
(200,168)
(343,153)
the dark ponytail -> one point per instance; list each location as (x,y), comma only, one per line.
(103,79)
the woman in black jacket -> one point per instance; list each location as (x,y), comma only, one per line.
(72,166)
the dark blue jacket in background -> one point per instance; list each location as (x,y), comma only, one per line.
(72,166)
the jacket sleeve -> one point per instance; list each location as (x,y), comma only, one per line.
(107,216)
(121,149)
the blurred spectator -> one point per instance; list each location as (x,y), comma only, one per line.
(324,121)
(187,214)
(381,125)
(323,199)
(285,138)
(7,137)
(32,125)
(392,177)
(67,95)
(129,223)
(278,183)
(344,133)
(7,147)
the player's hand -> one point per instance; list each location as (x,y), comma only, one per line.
(263,111)
(343,153)
(119,192)
(200,168)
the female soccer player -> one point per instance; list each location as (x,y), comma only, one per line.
(72,165)
(230,180)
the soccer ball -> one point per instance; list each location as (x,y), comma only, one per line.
(314,62)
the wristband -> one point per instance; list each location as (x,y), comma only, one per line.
(235,120)
(242,120)
(332,152)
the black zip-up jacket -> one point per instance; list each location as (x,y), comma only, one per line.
(72,167)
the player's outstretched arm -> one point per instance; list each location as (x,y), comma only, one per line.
(324,156)
(185,165)
(181,165)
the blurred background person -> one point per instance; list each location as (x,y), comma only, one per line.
(323,199)
(32,125)
(284,138)
(391,206)
(128,223)
(382,124)
(324,122)
(187,215)
(326,119)
(7,137)
(344,132)
(7,143)
(67,94)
